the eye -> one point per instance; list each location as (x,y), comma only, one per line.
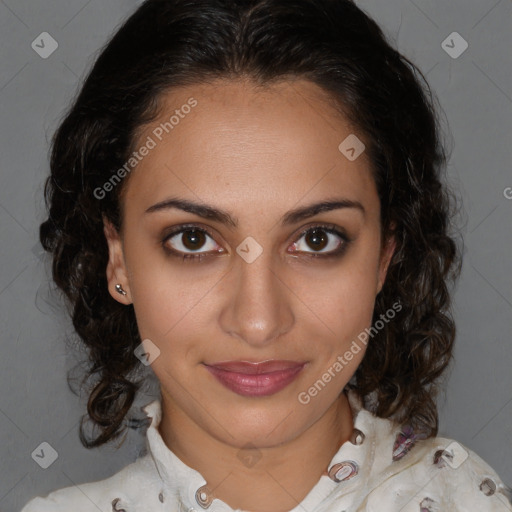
(189,238)
(187,242)
(322,238)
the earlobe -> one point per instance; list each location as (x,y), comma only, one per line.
(116,270)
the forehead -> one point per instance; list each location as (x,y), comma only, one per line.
(227,139)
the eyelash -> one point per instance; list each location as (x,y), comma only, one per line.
(192,257)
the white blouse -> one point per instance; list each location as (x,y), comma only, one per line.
(381,468)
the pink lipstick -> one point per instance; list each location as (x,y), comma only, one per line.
(255,378)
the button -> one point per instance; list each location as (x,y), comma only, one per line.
(488,487)
(439,460)
(357,437)
(114,506)
(204,496)
(343,471)
(427,505)
(161,497)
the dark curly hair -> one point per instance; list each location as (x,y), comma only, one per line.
(332,43)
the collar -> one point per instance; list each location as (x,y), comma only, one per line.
(348,469)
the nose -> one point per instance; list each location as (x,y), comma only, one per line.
(257,310)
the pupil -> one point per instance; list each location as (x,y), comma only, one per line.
(193,239)
(317,239)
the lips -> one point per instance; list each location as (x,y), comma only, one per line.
(251,368)
(255,378)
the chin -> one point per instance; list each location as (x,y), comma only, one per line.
(261,425)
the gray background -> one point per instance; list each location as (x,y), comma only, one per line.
(475,92)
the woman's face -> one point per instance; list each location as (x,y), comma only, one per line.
(257,288)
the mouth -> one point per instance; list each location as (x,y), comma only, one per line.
(255,378)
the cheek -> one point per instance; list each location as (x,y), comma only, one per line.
(164,295)
(163,312)
(344,298)
(355,305)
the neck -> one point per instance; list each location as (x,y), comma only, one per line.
(265,478)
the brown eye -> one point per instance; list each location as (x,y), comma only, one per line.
(190,242)
(318,238)
(193,239)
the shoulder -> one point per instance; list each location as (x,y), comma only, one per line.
(437,474)
(104,495)
(403,470)
(466,479)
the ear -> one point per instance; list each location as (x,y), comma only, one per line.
(387,252)
(116,268)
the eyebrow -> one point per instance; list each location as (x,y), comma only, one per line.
(292,217)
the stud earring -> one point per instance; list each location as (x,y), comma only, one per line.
(120,290)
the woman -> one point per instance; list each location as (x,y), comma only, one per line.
(247,196)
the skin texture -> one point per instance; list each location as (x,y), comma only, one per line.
(256,153)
